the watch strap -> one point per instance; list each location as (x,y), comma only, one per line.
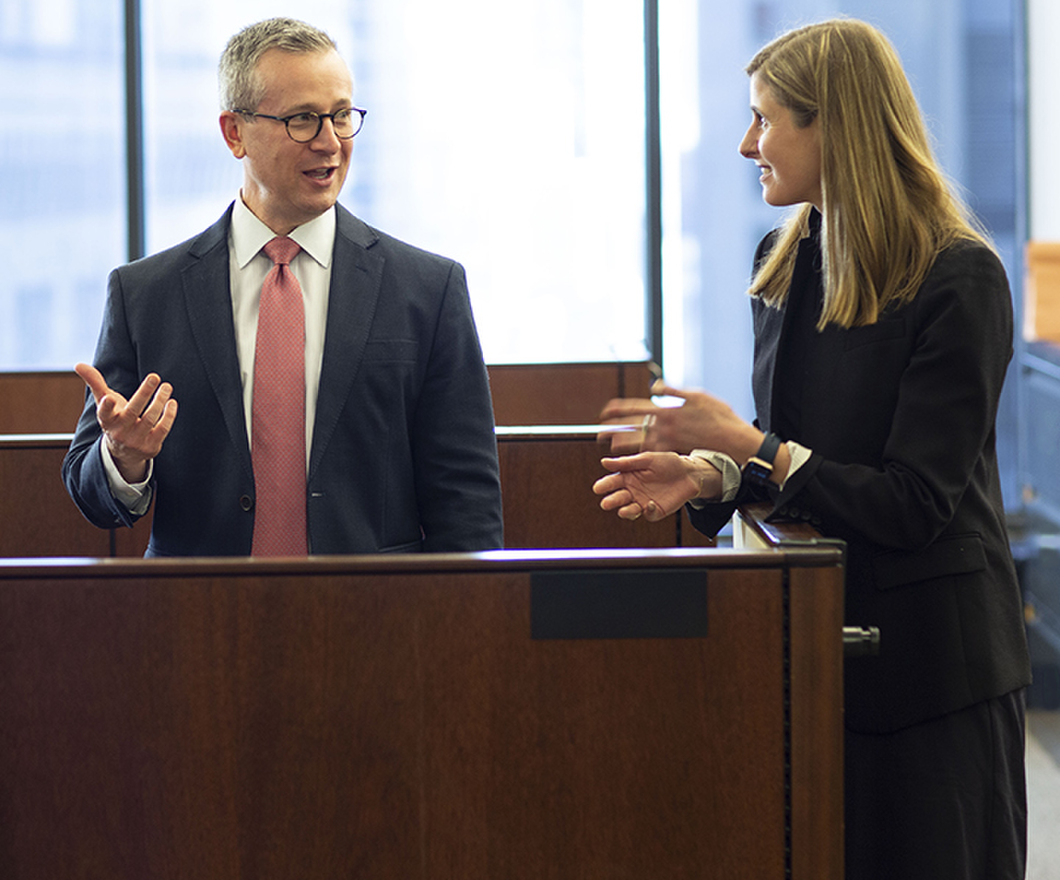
(759,467)
(767,452)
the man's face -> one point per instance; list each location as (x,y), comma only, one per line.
(286,183)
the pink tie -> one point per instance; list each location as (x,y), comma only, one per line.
(278,411)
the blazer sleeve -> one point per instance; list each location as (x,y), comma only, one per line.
(83,471)
(455,448)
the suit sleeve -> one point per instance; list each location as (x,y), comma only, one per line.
(83,470)
(455,448)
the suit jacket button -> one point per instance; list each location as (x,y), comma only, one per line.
(246,502)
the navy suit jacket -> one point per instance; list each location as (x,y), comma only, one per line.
(900,418)
(404,455)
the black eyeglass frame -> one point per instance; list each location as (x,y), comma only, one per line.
(320,117)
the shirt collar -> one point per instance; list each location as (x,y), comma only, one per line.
(249,235)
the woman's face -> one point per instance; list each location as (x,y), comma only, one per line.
(789,157)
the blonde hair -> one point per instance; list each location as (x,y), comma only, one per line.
(887,208)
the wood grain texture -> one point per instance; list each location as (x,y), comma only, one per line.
(257,721)
(37,517)
(562,394)
(40,402)
(546,482)
(46,402)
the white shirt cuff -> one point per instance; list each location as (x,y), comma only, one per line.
(135,496)
(731,474)
(799,456)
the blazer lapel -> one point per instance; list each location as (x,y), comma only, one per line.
(803,275)
(208,298)
(356,279)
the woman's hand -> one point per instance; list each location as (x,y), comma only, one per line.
(655,484)
(702,421)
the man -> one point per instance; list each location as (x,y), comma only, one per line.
(394,418)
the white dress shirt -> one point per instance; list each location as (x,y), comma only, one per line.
(247,266)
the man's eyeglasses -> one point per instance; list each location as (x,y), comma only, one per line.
(304,127)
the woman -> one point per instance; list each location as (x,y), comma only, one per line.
(883,329)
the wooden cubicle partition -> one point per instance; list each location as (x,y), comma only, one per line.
(40,402)
(547,473)
(39,409)
(546,477)
(540,715)
(523,394)
(37,517)
(562,394)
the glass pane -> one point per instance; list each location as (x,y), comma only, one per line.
(507,136)
(62,178)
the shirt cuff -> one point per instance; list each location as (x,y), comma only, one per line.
(730,470)
(799,456)
(730,475)
(135,496)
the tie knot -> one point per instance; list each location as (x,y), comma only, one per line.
(282,250)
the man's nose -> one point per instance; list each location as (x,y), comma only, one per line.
(326,137)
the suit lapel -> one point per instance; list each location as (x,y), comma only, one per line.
(356,279)
(207,295)
(802,276)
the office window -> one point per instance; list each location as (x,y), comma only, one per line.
(959,55)
(508,136)
(62,183)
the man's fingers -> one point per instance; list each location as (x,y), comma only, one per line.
(143,395)
(93,378)
(155,410)
(169,415)
(138,424)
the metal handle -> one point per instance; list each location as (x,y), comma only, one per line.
(861,641)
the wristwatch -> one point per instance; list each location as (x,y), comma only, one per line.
(759,467)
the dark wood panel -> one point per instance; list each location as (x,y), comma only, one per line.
(523,394)
(816,625)
(549,502)
(384,725)
(133,542)
(37,517)
(546,480)
(816,683)
(562,394)
(40,402)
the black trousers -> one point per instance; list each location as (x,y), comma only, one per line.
(942,800)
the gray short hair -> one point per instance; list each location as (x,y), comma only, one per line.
(237,71)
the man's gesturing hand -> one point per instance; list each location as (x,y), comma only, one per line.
(135,428)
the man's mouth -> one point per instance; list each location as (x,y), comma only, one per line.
(320,173)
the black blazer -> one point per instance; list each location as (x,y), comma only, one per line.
(404,456)
(900,418)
